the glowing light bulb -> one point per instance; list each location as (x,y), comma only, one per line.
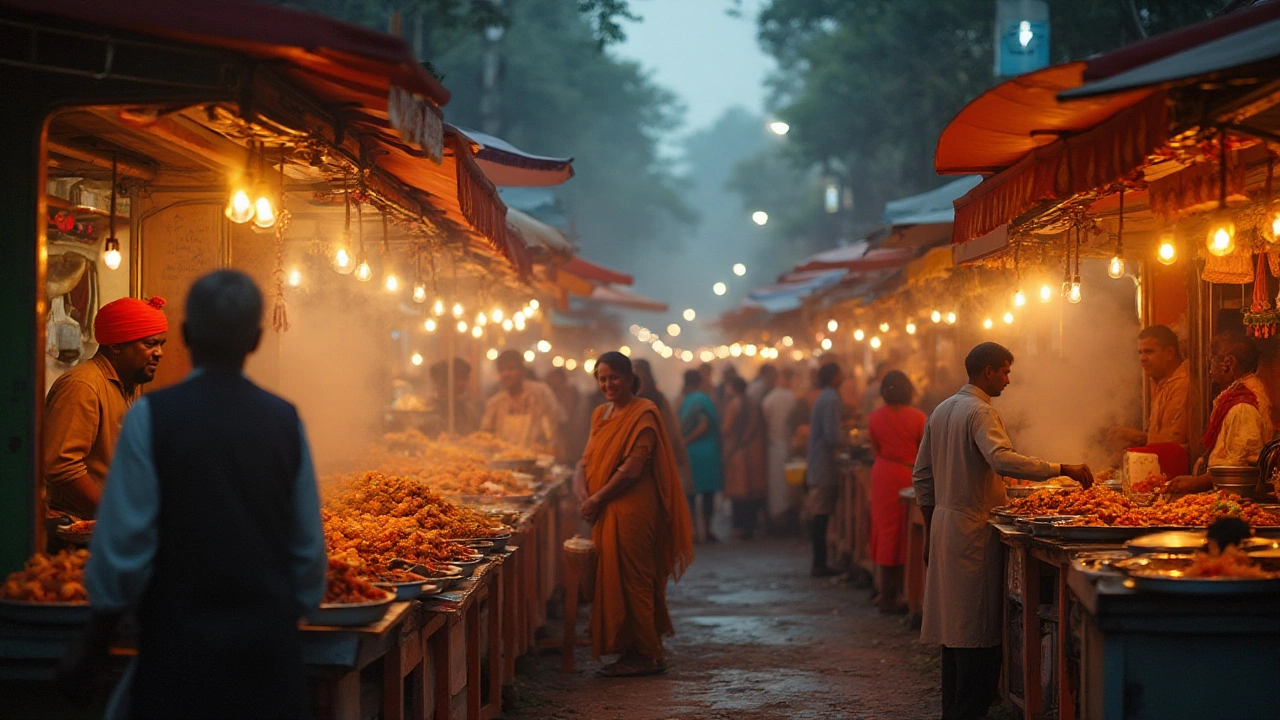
(264,215)
(750,350)
(673,330)
(779,128)
(735,350)
(884,327)
(492,354)
(391,283)
(1221,239)
(667,353)
(529,356)
(239,207)
(719,288)
(910,328)
(760,217)
(570,364)
(826,343)
(935,316)
(458,310)
(832,325)
(430,325)
(1046,293)
(544,346)
(477,332)
(876,342)
(797,355)
(690,315)
(342,261)
(438,308)
(707,356)
(1008,318)
(519,322)
(625,350)
(1115,268)
(1019,298)
(482,319)
(589,365)
(507,325)
(1073,294)
(295,277)
(951,318)
(534,304)
(859,335)
(419,293)
(416,359)
(686,355)
(111,254)
(557,361)
(364,273)
(496,315)
(1275,222)
(462,326)
(1167,253)
(739,269)
(987,324)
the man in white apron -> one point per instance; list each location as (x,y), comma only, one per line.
(957,473)
(524,412)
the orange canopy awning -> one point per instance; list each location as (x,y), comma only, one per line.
(595,273)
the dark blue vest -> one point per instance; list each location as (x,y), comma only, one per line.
(218,630)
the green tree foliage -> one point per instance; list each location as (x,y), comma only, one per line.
(869,85)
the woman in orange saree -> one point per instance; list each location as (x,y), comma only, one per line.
(640,523)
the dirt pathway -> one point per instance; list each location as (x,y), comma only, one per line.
(755,638)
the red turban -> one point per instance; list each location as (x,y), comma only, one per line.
(129,319)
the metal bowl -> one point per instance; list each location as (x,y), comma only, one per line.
(352,613)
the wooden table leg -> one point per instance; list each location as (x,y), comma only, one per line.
(510,596)
(495,644)
(1066,691)
(1032,697)
(473,661)
(440,656)
(570,642)
(393,685)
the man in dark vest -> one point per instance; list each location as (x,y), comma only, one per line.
(209,529)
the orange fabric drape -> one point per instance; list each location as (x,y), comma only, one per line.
(642,537)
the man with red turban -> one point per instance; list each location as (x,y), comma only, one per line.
(86,405)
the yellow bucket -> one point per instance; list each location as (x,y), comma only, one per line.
(796,470)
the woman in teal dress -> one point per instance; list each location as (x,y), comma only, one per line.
(700,425)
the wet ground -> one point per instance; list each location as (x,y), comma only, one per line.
(756,638)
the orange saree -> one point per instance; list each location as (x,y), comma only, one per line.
(643,537)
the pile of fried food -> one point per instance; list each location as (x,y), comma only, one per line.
(381,518)
(49,578)
(345,582)
(1152,483)
(1099,506)
(450,464)
(1229,563)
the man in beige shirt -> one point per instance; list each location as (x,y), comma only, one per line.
(86,405)
(524,412)
(1162,362)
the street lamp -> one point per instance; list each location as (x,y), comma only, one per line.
(760,217)
(779,128)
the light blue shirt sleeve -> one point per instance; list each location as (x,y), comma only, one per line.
(306,546)
(125,537)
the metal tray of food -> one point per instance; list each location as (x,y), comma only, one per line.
(1004,515)
(1099,533)
(484,547)
(1044,526)
(77,536)
(1099,563)
(348,614)
(407,589)
(1164,573)
(45,613)
(1168,541)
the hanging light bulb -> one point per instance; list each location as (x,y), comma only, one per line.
(690,314)
(111,254)
(264,214)
(1221,237)
(589,365)
(239,207)
(529,356)
(481,319)
(1167,253)
(1019,298)
(477,332)
(987,324)
(570,364)
(416,359)
(430,325)
(1115,268)
(951,318)
(826,344)
(496,315)
(788,341)
(295,277)
(438,308)
(457,310)
(534,304)
(462,326)
(557,361)
(419,293)
(884,327)
(492,354)
(910,328)
(1008,318)
(519,322)
(1073,293)
(342,261)
(364,273)
(1046,293)
(859,335)
(935,317)
(625,350)
(1275,222)
(832,325)
(876,342)
(507,325)
(391,282)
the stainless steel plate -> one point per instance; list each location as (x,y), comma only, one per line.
(351,614)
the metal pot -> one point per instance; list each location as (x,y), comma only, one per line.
(1238,479)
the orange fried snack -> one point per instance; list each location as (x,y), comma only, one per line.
(1229,563)
(345,582)
(1199,510)
(49,578)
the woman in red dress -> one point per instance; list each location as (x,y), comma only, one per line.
(896,430)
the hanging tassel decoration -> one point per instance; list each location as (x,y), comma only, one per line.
(1262,321)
